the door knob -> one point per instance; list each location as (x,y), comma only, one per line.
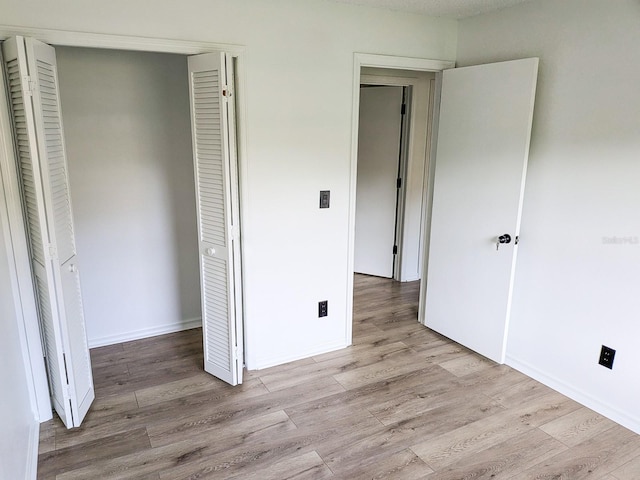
(210,251)
(505,238)
(73,268)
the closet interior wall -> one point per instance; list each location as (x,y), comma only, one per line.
(128,137)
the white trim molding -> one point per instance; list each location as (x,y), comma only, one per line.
(402,63)
(32,455)
(145,333)
(626,419)
(117,42)
(375,61)
(282,359)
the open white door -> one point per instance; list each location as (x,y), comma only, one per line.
(486,113)
(376,191)
(38,135)
(211,90)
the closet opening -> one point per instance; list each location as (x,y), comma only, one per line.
(148,158)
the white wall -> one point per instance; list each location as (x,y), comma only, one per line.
(299,84)
(574,291)
(18,431)
(128,137)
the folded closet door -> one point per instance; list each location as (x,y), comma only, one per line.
(38,135)
(213,132)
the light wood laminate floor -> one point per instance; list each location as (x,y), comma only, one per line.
(401,403)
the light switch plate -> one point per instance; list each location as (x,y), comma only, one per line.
(324,198)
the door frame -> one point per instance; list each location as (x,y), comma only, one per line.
(23,293)
(361,60)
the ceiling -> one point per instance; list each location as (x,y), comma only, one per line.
(438,8)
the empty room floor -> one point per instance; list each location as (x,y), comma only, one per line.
(401,403)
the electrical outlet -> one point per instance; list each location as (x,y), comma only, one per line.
(323,308)
(606,357)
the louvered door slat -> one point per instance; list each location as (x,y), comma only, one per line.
(217,313)
(56,162)
(24,161)
(212,165)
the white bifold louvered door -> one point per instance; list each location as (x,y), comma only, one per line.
(38,136)
(211,89)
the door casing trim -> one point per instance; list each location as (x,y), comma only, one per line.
(376,61)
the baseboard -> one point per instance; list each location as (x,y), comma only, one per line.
(623,418)
(413,278)
(272,362)
(31,470)
(145,333)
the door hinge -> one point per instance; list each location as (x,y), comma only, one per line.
(52,252)
(28,85)
(395,249)
(403,109)
(399,183)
